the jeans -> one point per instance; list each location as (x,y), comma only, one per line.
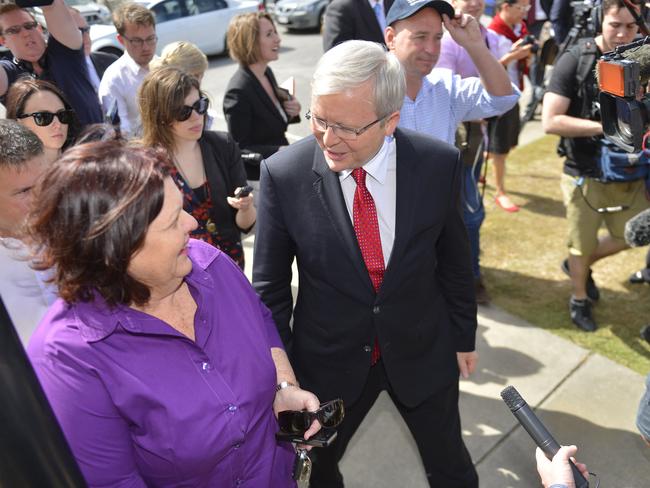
(473,211)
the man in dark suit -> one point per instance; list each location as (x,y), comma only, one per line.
(386,298)
(347,20)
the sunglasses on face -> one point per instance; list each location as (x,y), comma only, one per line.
(44,118)
(200,107)
(329,414)
(84,30)
(15,29)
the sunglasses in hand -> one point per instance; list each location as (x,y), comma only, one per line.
(296,422)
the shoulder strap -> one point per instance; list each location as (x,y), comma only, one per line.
(588,52)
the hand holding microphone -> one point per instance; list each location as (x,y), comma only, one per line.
(538,431)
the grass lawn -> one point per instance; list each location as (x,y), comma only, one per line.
(521,260)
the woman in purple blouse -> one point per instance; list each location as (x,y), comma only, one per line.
(159,360)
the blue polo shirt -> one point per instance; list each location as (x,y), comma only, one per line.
(66,68)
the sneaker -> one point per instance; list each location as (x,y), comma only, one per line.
(580,311)
(482,297)
(640,276)
(592,290)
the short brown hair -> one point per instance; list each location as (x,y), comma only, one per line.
(244,35)
(94,206)
(161,95)
(11,7)
(21,91)
(132,13)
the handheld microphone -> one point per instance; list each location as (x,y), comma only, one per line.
(537,431)
(637,230)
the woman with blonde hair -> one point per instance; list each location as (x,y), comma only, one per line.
(257,110)
(184,56)
(207,164)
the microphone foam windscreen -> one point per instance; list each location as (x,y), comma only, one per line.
(641,55)
(637,230)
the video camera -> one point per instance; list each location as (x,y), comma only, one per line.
(624,106)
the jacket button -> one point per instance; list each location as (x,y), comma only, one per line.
(376,309)
(367,348)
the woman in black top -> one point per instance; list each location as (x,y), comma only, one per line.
(207,165)
(257,110)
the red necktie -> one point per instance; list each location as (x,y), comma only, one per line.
(366,227)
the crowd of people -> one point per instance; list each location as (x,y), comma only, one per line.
(162,363)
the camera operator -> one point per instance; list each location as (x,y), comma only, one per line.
(570,110)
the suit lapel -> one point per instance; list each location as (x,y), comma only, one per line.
(328,189)
(368,16)
(405,208)
(263,96)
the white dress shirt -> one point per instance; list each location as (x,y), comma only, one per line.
(92,74)
(23,291)
(120,82)
(381,182)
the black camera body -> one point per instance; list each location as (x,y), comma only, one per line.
(528,40)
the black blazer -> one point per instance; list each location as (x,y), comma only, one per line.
(425,310)
(101,61)
(346,20)
(253,119)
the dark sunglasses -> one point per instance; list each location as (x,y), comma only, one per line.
(84,30)
(200,107)
(43,119)
(330,415)
(15,29)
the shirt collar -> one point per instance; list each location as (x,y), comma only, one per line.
(134,67)
(97,320)
(377,167)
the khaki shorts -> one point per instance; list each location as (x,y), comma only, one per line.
(584,219)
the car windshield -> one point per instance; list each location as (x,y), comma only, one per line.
(74,3)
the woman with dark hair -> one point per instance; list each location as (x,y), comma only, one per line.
(42,108)
(207,165)
(160,362)
(257,110)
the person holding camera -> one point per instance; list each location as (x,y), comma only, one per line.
(570,111)
(60,60)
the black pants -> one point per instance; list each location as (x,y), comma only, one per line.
(434,424)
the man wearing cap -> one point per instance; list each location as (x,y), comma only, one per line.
(437,101)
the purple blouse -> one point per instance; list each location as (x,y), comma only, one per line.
(456,58)
(143,405)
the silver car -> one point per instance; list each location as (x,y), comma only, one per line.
(300,14)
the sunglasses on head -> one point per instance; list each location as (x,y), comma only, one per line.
(200,107)
(15,29)
(329,414)
(44,118)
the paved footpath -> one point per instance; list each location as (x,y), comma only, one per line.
(582,398)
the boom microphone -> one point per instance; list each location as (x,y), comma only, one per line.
(537,431)
(637,230)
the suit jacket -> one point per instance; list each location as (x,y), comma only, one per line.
(101,61)
(253,119)
(424,312)
(347,20)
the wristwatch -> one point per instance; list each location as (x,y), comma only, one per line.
(284,384)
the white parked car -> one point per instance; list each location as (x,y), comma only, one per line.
(202,22)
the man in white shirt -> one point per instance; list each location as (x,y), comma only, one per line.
(21,164)
(136,31)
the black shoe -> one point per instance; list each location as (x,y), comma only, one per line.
(580,311)
(592,290)
(482,297)
(645,333)
(639,277)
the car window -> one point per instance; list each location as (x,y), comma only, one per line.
(204,6)
(168,10)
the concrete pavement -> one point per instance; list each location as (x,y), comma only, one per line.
(582,398)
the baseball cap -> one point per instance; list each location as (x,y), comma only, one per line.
(401,9)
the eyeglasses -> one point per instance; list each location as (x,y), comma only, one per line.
(16,29)
(330,415)
(341,131)
(137,42)
(200,107)
(84,30)
(523,8)
(44,118)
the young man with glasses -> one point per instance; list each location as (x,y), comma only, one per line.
(386,296)
(59,60)
(136,31)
